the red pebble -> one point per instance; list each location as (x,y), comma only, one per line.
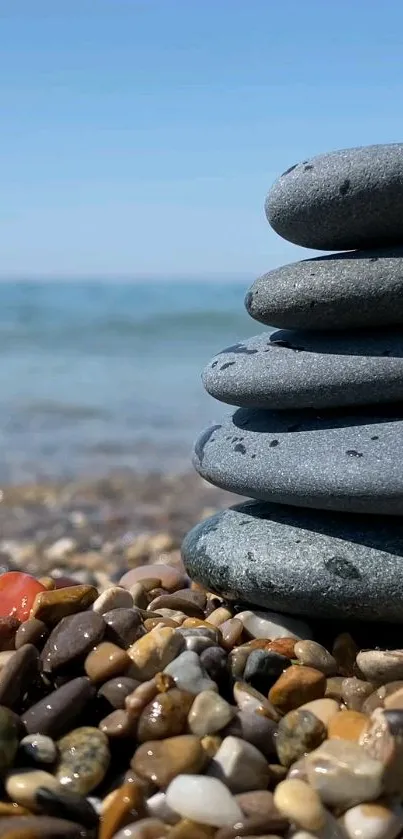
(17,594)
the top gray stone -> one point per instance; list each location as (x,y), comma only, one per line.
(342,200)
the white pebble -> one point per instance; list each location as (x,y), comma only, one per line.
(372,821)
(273,625)
(113,597)
(204,800)
(157,808)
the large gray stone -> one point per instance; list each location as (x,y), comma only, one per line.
(345,199)
(342,291)
(289,369)
(299,561)
(334,461)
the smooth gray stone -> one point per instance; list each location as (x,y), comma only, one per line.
(342,291)
(352,198)
(289,369)
(333,460)
(299,561)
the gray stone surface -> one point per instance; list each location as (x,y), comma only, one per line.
(290,369)
(334,460)
(299,561)
(345,199)
(341,291)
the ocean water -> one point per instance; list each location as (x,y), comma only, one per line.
(97,377)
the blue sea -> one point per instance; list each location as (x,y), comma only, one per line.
(104,376)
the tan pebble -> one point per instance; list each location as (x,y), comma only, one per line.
(106,661)
(381,666)
(162,760)
(140,697)
(301,804)
(152,623)
(394,700)
(143,829)
(118,724)
(154,651)
(345,651)
(231,633)
(194,623)
(284,646)
(314,655)
(123,806)
(165,716)
(347,725)
(22,785)
(209,713)
(164,682)
(334,688)
(296,686)
(9,808)
(237,660)
(372,821)
(354,692)
(115,597)
(51,606)
(324,709)
(186,829)
(219,616)
(211,743)
(84,759)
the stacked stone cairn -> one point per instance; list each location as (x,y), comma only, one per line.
(317,440)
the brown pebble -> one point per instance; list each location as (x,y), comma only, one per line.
(161,760)
(10,808)
(165,716)
(106,661)
(312,654)
(8,630)
(72,639)
(297,685)
(151,623)
(116,690)
(55,713)
(347,725)
(177,602)
(345,652)
(118,724)
(31,632)
(18,674)
(139,596)
(154,651)
(39,827)
(284,646)
(232,630)
(126,806)
(141,696)
(51,606)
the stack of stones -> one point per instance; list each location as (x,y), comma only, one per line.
(318,437)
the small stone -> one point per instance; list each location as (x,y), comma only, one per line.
(31,631)
(72,639)
(39,827)
(8,630)
(161,760)
(38,748)
(381,666)
(165,716)
(67,805)
(115,691)
(17,675)
(123,626)
(256,729)
(284,646)
(312,654)
(394,700)
(170,578)
(188,794)
(51,606)
(55,713)
(9,735)
(301,804)
(345,652)
(383,741)
(324,709)
(106,661)
(231,632)
(295,686)
(219,616)
(139,596)
(237,661)
(118,724)
(209,713)
(188,673)
(256,802)
(17,594)
(372,821)
(214,661)
(201,632)
(355,691)
(143,829)
(272,625)
(84,759)
(114,597)
(344,774)
(240,766)
(249,699)
(143,694)
(23,784)
(263,667)
(126,804)
(299,732)
(154,651)
(347,725)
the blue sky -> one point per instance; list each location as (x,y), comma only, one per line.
(139,137)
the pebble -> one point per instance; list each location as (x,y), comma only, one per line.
(39,827)
(209,713)
(372,821)
(394,700)
(17,594)
(114,597)
(56,713)
(240,766)
(67,805)
(118,724)
(249,699)
(334,686)
(84,759)
(347,725)
(296,685)
(141,696)
(231,631)
(115,691)
(72,639)
(188,829)
(312,654)
(139,596)
(61,549)
(23,784)
(299,732)
(355,691)
(324,709)
(161,760)
(18,673)
(272,625)
(8,629)
(188,673)
(51,606)
(106,661)
(201,632)
(383,741)
(31,631)
(381,666)
(9,735)
(38,748)
(214,661)
(344,774)
(123,626)
(188,794)
(171,579)
(198,644)
(158,808)
(256,729)
(143,829)
(177,602)
(301,804)
(263,667)
(377,698)
(237,661)
(154,651)
(165,716)
(126,803)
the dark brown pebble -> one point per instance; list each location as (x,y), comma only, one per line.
(56,713)
(43,826)
(32,631)
(115,691)
(18,675)
(165,716)
(67,805)
(8,629)
(72,639)
(123,626)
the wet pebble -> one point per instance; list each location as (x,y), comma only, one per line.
(299,732)
(263,667)
(324,709)
(355,691)
(20,671)
(72,639)
(84,759)
(188,673)
(114,597)
(348,725)
(187,602)
(123,626)
(188,794)
(106,661)
(272,625)
(209,713)
(118,724)
(126,805)
(8,630)
(296,685)
(249,699)
(372,821)
(344,774)
(214,661)
(157,808)
(22,786)
(382,740)
(115,691)
(165,716)
(154,651)
(66,805)
(231,631)
(256,729)
(38,748)
(51,606)
(240,766)
(312,654)
(381,666)
(56,713)
(32,631)
(161,760)
(40,827)
(301,804)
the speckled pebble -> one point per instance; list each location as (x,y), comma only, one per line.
(84,759)
(299,732)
